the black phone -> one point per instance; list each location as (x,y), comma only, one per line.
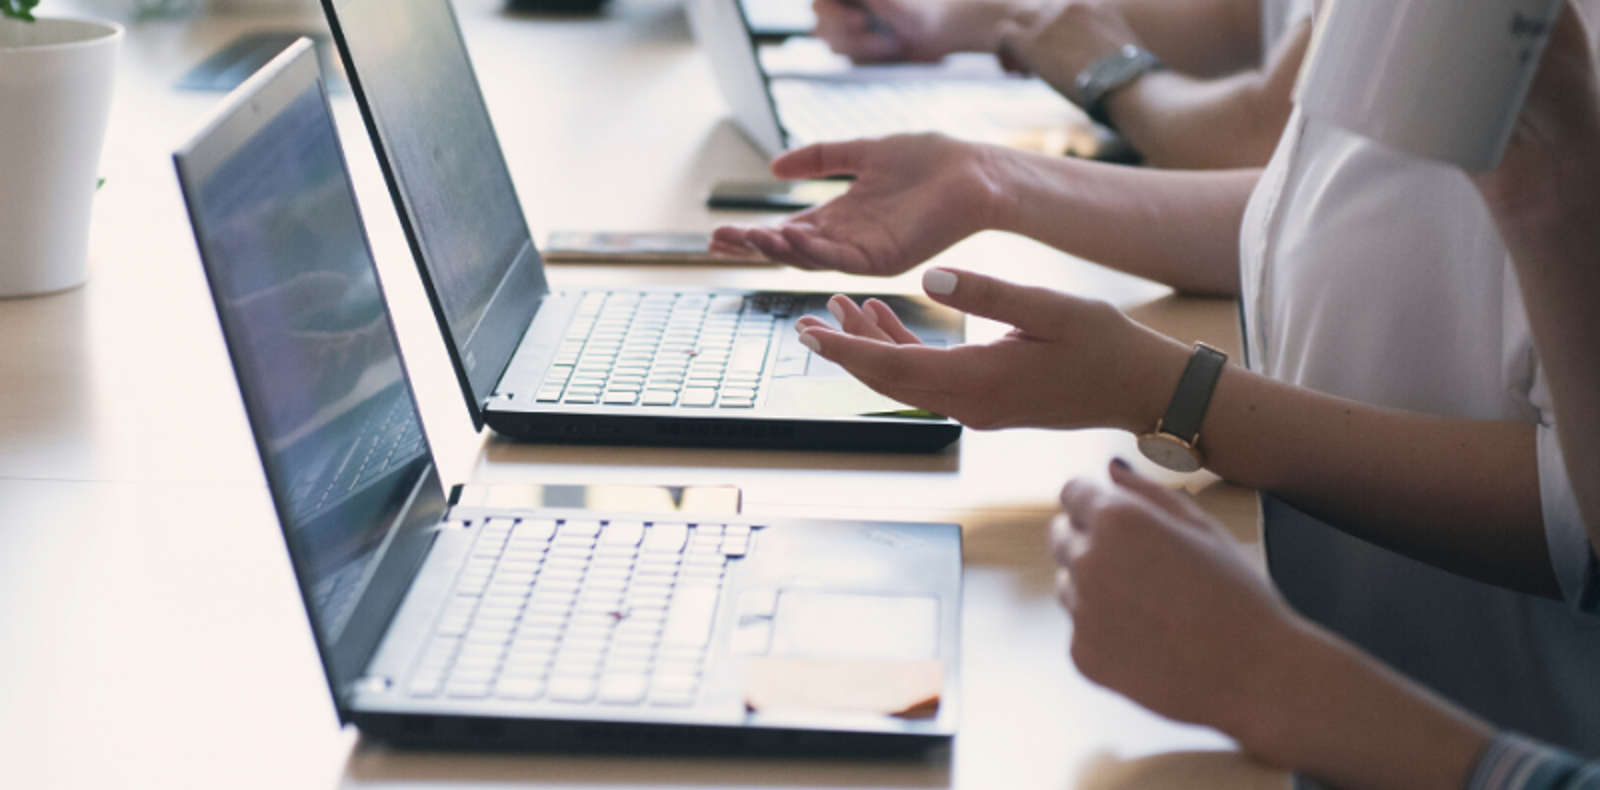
(774,195)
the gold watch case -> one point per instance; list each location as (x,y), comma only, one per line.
(1171,452)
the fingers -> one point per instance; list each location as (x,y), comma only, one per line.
(731,240)
(915,375)
(822,160)
(1033,310)
(854,320)
(1082,500)
(853,30)
(1012,50)
(1173,502)
(771,243)
(884,317)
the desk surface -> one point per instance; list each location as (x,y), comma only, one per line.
(152,635)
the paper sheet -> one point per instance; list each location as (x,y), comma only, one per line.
(909,689)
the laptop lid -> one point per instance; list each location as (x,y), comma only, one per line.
(419,97)
(302,312)
(721,30)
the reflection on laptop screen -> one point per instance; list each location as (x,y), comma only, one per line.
(438,140)
(313,348)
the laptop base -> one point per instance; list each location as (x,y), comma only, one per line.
(460,733)
(900,436)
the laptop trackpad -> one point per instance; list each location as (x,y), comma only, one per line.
(851,626)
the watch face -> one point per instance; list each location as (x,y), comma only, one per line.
(1169,452)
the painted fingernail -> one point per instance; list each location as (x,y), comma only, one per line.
(939,281)
(810,341)
(835,308)
(1121,464)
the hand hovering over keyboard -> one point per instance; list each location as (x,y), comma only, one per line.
(878,31)
(1069,362)
(913,197)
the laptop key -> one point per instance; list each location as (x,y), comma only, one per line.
(623,688)
(426,685)
(472,689)
(698,397)
(520,688)
(566,688)
(691,617)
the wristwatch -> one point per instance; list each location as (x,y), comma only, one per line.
(1108,73)
(1174,444)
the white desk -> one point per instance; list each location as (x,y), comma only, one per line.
(150,631)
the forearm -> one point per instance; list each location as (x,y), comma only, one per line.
(1201,38)
(1554,240)
(1177,228)
(1323,709)
(974,25)
(1177,121)
(1462,495)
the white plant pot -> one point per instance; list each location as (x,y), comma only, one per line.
(55,98)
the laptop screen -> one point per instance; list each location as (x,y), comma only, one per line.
(409,70)
(310,339)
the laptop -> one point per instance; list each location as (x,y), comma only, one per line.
(684,366)
(443,624)
(783,96)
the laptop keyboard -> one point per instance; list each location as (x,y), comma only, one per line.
(580,611)
(390,439)
(985,111)
(698,351)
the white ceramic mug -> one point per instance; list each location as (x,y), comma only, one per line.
(55,98)
(1443,79)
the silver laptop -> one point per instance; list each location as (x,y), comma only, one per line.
(779,107)
(555,629)
(684,366)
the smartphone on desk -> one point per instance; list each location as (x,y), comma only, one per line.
(636,247)
(774,195)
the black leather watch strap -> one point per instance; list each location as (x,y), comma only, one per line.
(1193,396)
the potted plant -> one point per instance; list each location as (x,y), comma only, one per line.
(55,98)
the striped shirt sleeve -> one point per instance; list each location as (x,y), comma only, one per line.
(1513,762)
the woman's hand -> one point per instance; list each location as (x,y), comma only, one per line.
(913,197)
(1069,362)
(1165,607)
(880,31)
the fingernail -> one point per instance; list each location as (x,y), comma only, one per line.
(833,307)
(1121,464)
(810,341)
(941,282)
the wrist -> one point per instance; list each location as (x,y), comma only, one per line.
(1144,396)
(1322,708)
(1268,717)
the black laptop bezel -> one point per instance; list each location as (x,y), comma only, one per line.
(481,358)
(241,115)
(482,362)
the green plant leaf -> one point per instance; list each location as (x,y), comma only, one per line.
(18,9)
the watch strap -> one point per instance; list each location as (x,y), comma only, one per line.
(1193,396)
(1108,73)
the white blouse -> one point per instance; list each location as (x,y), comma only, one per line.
(1379,277)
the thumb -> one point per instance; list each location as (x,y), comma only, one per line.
(1036,311)
(1010,33)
